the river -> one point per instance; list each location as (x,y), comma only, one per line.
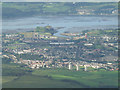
(70,23)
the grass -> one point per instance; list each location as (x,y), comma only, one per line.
(91,79)
(62,78)
(32,81)
(6,79)
(28,34)
(10,65)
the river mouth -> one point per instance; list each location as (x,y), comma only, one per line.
(80,29)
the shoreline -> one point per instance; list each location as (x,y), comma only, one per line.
(58,33)
(21,17)
(64,26)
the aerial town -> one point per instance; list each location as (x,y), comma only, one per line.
(40,48)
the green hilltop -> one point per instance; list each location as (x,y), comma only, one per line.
(57,8)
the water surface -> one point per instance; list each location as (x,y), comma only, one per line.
(70,23)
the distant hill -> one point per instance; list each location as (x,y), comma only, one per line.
(21,9)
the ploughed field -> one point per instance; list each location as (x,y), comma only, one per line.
(60,78)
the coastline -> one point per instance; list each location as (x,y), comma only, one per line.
(50,15)
(71,23)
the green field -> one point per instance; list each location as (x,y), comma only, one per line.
(62,78)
